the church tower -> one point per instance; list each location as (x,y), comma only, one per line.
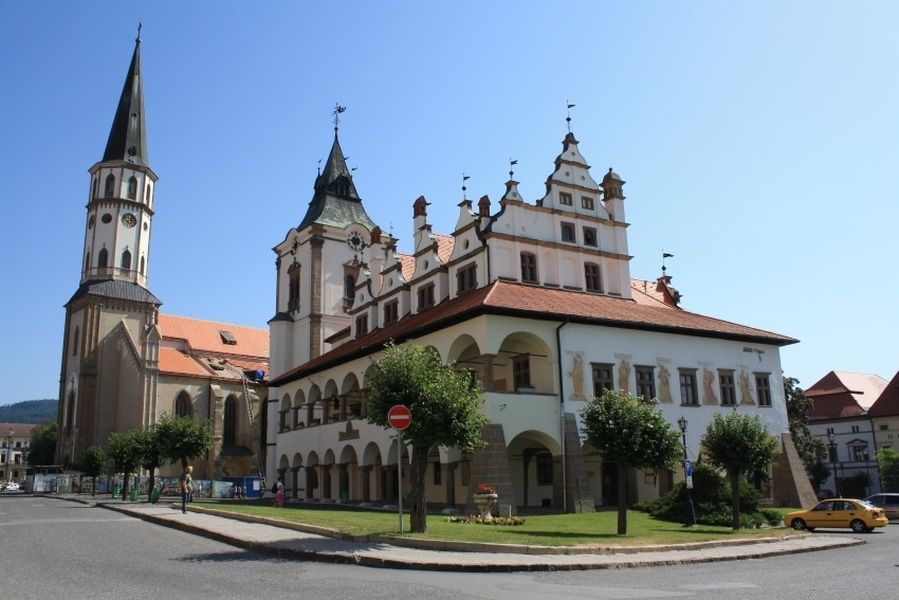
(318,265)
(111,344)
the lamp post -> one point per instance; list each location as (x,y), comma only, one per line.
(832,444)
(867,475)
(9,455)
(690,519)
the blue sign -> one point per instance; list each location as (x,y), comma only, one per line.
(688,468)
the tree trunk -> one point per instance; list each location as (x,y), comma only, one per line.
(183,463)
(622,499)
(94,487)
(418,512)
(152,482)
(735,500)
(125,486)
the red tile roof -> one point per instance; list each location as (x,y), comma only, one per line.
(887,405)
(841,394)
(445,245)
(646,292)
(527,301)
(19,430)
(205,336)
(174,362)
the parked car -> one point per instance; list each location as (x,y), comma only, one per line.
(10,486)
(858,515)
(888,502)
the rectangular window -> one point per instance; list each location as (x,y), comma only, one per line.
(728,392)
(467,278)
(688,387)
(426,296)
(859,453)
(438,475)
(587,202)
(884,427)
(646,382)
(762,389)
(565,198)
(592,280)
(528,267)
(293,288)
(391,312)
(590,236)
(830,430)
(602,378)
(361,325)
(521,371)
(855,429)
(568,233)
(544,463)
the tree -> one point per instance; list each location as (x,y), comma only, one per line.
(92,465)
(888,461)
(811,449)
(151,452)
(43,444)
(126,448)
(632,433)
(182,438)
(740,445)
(445,405)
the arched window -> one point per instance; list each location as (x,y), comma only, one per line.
(132,188)
(87,261)
(229,425)
(182,405)
(75,342)
(141,265)
(126,260)
(103,258)
(147,195)
(349,287)
(109,192)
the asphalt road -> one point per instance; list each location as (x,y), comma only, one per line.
(56,549)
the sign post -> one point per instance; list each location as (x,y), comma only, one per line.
(399,417)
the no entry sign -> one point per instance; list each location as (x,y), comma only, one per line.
(399,417)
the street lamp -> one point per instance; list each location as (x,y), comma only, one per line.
(867,475)
(832,444)
(9,454)
(690,519)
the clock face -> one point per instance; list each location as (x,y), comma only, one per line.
(129,220)
(355,240)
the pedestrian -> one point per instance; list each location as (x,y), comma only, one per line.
(279,493)
(187,487)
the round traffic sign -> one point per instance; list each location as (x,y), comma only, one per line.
(399,417)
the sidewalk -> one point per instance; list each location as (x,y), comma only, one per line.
(292,542)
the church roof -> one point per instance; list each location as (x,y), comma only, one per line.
(335,201)
(525,301)
(128,135)
(120,290)
(211,337)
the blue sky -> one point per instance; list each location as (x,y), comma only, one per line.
(759,142)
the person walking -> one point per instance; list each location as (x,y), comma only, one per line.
(279,493)
(187,487)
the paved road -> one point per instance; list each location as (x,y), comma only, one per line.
(55,549)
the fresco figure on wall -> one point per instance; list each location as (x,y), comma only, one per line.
(745,393)
(664,388)
(624,375)
(577,377)
(708,378)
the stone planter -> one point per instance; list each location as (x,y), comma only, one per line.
(484,502)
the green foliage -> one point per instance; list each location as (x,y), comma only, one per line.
(740,445)
(888,461)
(43,444)
(29,411)
(629,431)
(181,438)
(127,449)
(811,449)
(93,464)
(711,500)
(445,405)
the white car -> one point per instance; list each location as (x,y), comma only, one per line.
(11,486)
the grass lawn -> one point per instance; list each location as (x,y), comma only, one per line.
(540,530)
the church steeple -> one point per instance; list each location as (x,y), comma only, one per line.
(128,135)
(336,177)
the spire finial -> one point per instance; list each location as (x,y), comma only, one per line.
(319,166)
(337,110)
(664,256)
(568,118)
(464,188)
(139,25)
(512,163)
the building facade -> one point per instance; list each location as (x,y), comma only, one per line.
(123,362)
(536,299)
(15,442)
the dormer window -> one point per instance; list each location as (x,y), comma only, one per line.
(587,202)
(361,325)
(565,199)
(228,338)
(391,312)
(426,296)
(466,278)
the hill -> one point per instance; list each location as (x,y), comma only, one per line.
(29,411)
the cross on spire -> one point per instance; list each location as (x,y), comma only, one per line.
(139,25)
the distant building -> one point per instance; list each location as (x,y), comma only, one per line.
(884,415)
(840,418)
(536,299)
(123,362)
(15,440)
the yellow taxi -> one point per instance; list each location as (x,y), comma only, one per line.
(858,515)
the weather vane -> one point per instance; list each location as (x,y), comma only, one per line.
(139,25)
(512,163)
(464,189)
(568,118)
(664,256)
(337,110)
